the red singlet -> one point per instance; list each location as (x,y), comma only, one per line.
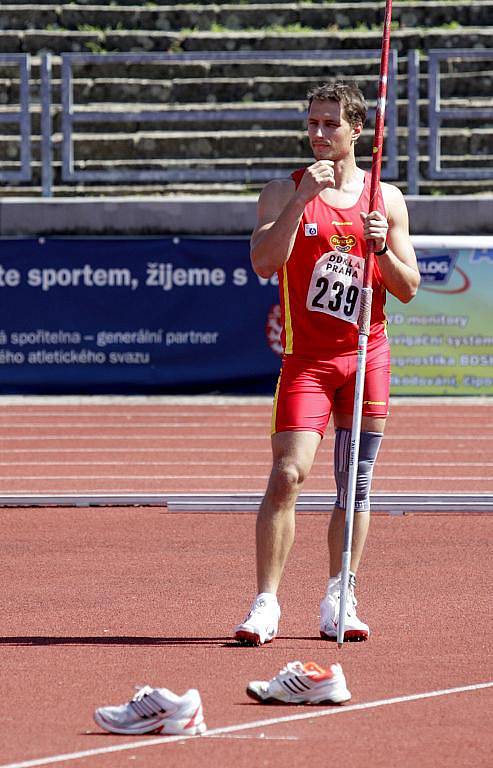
(320,284)
(320,292)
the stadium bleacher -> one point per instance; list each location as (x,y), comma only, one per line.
(200,151)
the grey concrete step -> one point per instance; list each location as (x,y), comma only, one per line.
(59,41)
(175,17)
(402,40)
(201,69)
(285,65)
(216,122)
(228,144)
(213,169)
(230,4)
(476,188)
(238,90)
(256,89)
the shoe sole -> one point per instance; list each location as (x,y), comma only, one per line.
(251,638)
(272,700)
(160,728)
(350,636)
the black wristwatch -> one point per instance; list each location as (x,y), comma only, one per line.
(384,250)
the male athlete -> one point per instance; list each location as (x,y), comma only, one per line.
(311,230)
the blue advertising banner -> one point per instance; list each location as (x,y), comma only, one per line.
(167,315)
(188,315)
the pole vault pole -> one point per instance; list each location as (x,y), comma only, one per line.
(364,324)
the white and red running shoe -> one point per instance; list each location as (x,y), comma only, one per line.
(155,710)
(301,683)
(262,623)
(354,629)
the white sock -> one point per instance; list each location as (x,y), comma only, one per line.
(334,583)
(268,596)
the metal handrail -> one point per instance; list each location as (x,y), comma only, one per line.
(437,115)
(21,116)
(73,115)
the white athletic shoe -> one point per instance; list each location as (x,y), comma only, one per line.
(155,710)
(262,623)
(354,629)
(301,683)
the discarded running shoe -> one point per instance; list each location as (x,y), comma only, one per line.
(155,710)
(262,623)
(355,630)
(301,683)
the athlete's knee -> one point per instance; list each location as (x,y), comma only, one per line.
(287,476)
(368,451)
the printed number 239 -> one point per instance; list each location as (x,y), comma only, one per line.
(337,296)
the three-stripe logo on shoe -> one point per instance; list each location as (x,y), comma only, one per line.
(146,707)
(295,685)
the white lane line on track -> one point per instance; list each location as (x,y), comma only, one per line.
(153,451)
(190,450)
(206,410)
(228,729)
(126,476)
(166,438)
(96,463)
(168,421)
(253,737)
(227,436)
(123,424)
(75,463)
(195,407)
(233,400)
(221,476)
(44,401)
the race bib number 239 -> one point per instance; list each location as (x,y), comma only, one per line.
(335,286)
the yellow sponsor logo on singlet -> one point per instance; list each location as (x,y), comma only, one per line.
(343,243)
(342,223)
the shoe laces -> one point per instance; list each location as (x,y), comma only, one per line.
(261,606)
(334,596)
(293,667)
(308,672)
(142,690)
(352,596)
(351,603)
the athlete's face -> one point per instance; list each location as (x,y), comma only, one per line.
(331,136)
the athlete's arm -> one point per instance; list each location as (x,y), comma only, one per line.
(280,208)
(398,264)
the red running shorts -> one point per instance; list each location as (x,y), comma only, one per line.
(309,390)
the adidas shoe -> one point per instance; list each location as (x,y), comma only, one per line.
(354,629)
(155,710)
(301,683)
(261,624)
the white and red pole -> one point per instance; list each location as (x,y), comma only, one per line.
(364,323)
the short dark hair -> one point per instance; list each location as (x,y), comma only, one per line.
(347,94)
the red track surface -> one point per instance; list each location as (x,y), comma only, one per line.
(96,600)
(225,448)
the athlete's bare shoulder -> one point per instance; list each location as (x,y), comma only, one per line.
(278,189)
(395,205)
(391,193)
(274,197)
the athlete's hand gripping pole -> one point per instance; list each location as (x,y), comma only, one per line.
(364,325)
